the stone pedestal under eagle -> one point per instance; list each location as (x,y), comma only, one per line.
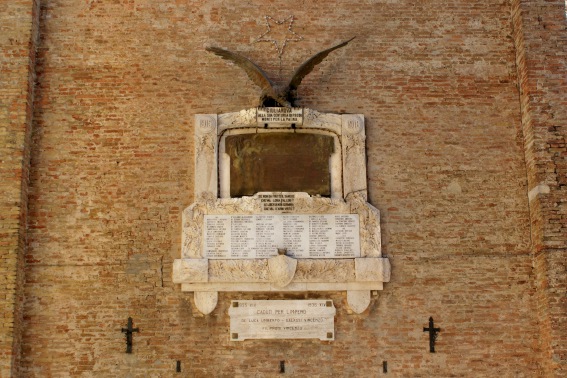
(272,95)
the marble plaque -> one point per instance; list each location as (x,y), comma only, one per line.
(256,236)
(284,202)
(282,319)
(280,115)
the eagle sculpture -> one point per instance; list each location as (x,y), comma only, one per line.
(273,94)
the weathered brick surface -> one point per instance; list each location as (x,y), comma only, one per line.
(453,149)
(18,27)
(541,39)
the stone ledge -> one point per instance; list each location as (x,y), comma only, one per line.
(309,271)
(294,286)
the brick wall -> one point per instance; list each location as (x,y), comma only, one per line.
(541,39)
(18,26)
(118,85)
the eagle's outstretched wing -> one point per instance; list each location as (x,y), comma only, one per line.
(254,72)
(308,66)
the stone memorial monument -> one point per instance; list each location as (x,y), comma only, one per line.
(280,200)
(280,205)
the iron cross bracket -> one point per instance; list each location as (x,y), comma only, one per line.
(128,331)
(433,333)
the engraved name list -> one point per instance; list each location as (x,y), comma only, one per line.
(302,235)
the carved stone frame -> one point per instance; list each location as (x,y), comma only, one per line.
(205,277)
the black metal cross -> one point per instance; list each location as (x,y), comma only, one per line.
(432,334)
(128,331)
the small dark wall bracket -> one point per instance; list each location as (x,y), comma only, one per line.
(128,331)
(282,367)
(432,334)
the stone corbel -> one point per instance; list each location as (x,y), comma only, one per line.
(367,270)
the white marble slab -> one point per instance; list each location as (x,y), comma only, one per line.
(280,115)
(282,319)
(312,236)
